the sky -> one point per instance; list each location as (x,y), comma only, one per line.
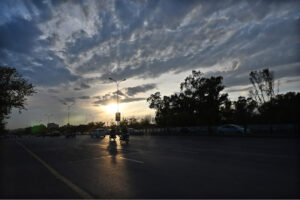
(69,49)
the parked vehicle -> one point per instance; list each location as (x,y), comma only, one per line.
(231,129)
(78,133)
(133,131)
(55,133)
(70,134)
(97,133)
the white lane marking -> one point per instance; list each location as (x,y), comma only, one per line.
(74,187)
(137,161)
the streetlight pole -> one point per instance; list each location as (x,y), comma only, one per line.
(68,114)
(48,115)
(117,82)
(69,105)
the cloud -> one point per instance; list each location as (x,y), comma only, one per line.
(83,97)
(293,81)
(20,35)
(48,77)
(119,92)
(131,91)
(50,90)
(112,98)
(245,89)
(74,40)
(66,101)
(69,99)
(105,99)
(76,45)
(129,100)
(82,86)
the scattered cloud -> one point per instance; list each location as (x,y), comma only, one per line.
(84,97)
(66,41)
(131,91)
(292,81)
(129,100)
(119,92)
(82,86)
(50,90)
(245,89)
(112,98)
(66,100)
(74,46)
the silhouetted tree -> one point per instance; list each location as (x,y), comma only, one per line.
(244,110)
(263,90)
(146,121)
(263,85)
(157,103)
(227,112)
(13,92)
(198,102)
(133,122)
(206,97)
(283,108)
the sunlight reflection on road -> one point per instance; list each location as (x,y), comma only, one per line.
(114,169)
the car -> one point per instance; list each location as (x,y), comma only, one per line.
(70,134)
(231,129)
(55,133)
(132,131)
(78,133)
(99,132)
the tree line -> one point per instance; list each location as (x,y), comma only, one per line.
(202,101)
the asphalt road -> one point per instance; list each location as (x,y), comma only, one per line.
(150,167)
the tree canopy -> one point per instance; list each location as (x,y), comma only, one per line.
(201,101)
(198,102)
(13,91)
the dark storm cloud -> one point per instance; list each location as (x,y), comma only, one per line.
(61,41)
(131,91)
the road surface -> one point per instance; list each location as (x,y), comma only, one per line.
(149,167)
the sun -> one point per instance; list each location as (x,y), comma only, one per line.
(111,108)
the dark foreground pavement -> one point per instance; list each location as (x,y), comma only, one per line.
(150,167)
